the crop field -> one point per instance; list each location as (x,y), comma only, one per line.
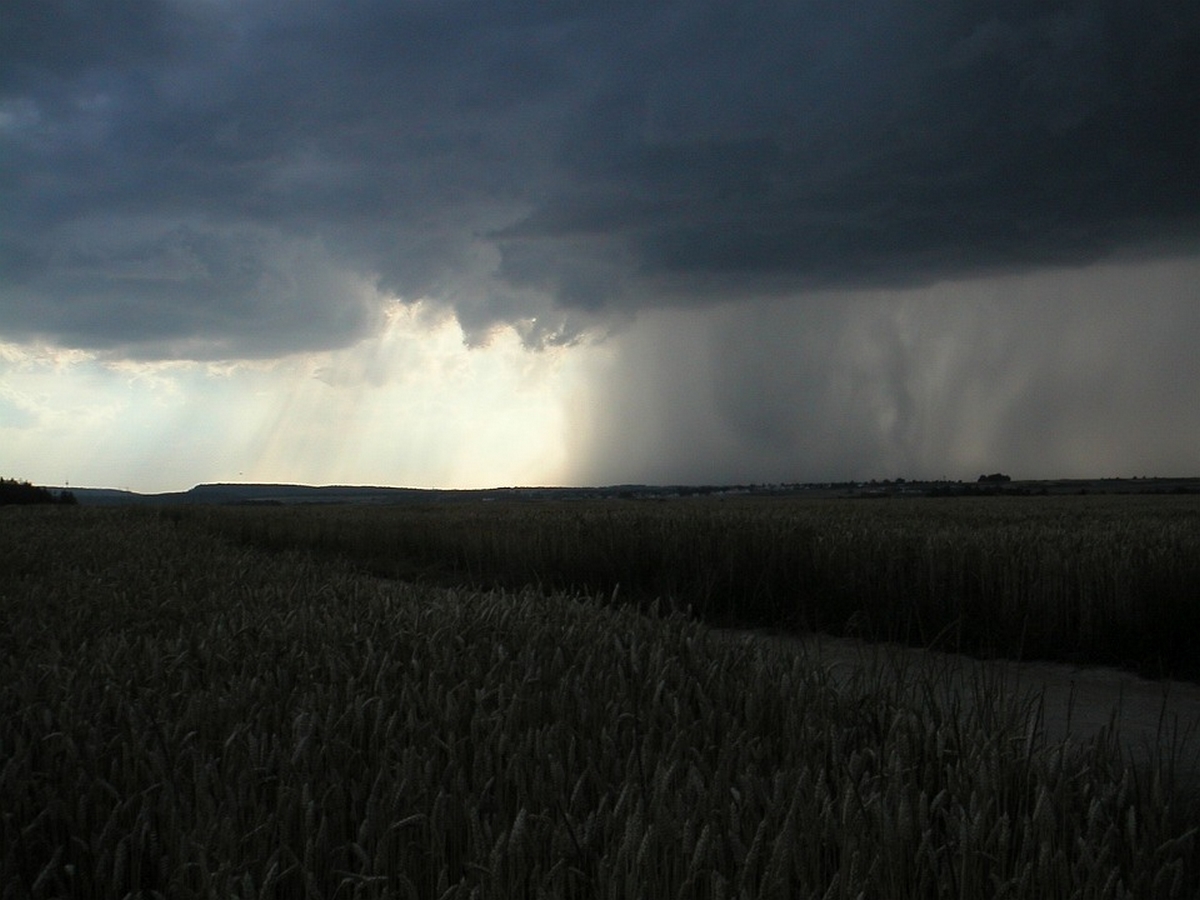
(457,702)
(1111,580)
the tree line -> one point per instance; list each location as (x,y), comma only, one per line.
(13,491)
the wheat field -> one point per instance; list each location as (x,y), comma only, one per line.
(185,714)
(1103,579)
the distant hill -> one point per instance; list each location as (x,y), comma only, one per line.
(293,494)
(109,497)
(246,494)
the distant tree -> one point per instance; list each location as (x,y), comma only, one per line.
(14,492)
(995,478)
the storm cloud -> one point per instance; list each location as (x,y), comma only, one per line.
(737,242)
(186,177)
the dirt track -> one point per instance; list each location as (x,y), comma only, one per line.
(1152,719)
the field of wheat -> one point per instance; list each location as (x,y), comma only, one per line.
(1110,580)
(184,713)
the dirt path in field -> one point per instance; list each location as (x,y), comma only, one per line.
(1153,719)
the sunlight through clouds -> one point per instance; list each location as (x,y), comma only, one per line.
(410,405)
(413,405)
(450,244)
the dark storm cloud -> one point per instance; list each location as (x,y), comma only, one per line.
(191,171)
(895,144)
(65,39)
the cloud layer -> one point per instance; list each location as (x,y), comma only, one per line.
(203,179)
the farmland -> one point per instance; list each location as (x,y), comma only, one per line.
(527,700)
(1103,579)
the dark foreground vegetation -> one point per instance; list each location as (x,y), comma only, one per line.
(185,715)
(1112,580)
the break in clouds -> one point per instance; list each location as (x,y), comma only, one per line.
(773,186)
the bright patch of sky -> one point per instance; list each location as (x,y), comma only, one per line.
(411,405)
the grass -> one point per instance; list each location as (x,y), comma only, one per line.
(184,715)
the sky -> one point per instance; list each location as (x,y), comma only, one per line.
(437,243)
